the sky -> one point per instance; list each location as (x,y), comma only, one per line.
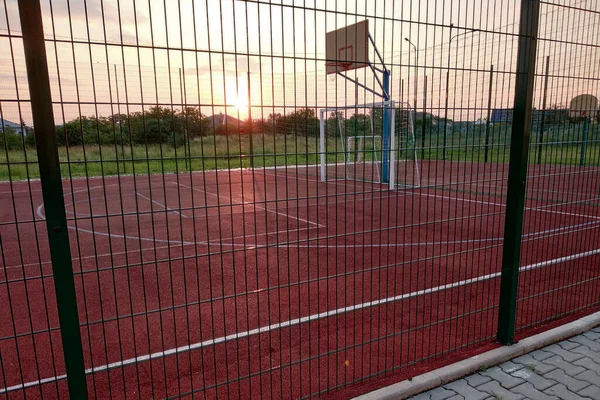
(107,56)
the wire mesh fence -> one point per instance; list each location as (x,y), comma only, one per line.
(193,206)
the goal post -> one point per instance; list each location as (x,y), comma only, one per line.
(354,146)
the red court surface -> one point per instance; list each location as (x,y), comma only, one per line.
(269,283)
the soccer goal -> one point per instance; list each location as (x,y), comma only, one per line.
(353,146)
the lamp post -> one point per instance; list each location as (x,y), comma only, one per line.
(448,83)
(415,85)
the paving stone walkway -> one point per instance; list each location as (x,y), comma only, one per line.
(566,370)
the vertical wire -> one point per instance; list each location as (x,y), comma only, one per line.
(455,167)
(528,290)
(588,293)
(395,197)
(136,201)
(188,156)
(375,232)
(254,190)
(264,177)
(110,249)
(147,167)
(286,185)
(151,195)
(219,206)
(275,121)
(468,313)
(431,282)
(560,171)
(327,225)
(35,231)
(479,301)
(307,196)
(230,205)
(573,179)
(345,218)
(297,192)
(10,307)
(69,162)
(501,173)
(488,287)
(164,184)
(191,176)
(421,278)
(440,187)
(580,201)
(215,159)
(243,200)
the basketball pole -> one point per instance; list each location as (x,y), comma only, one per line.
(384,84)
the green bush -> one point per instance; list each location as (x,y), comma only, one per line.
(177,140)
(11,140)
(30,138)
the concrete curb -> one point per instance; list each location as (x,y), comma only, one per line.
(449,373)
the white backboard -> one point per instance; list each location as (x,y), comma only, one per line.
(347,48)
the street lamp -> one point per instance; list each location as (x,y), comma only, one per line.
(448,82)
(415,84)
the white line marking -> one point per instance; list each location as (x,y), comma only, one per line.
(237,202)
(298,321)
(542,209)
(162,205)
(32,383)
(115,253)
(289,216)
(252,235)
(530,236)
(116,235)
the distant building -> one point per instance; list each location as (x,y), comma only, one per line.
(551,116)
(221,119)
(14,126)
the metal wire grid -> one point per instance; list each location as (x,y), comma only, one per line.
(141,305)
(568,285)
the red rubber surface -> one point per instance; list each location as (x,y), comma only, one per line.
(236,251)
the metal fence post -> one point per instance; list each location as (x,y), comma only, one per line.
(52,192)
(517,171)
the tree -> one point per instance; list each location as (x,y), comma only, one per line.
(153,126)
(302,121)
(193,123)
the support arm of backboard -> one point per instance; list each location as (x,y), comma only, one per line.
(385,71)
(383,88)
(377,52)
(362,86)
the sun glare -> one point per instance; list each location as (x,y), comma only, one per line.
(237,96)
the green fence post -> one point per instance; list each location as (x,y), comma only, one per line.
(52,192)
(517,170)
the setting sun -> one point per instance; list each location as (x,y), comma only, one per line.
(237,95)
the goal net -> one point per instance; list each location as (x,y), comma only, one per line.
(354,147)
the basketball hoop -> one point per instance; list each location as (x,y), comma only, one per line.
(340,66)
